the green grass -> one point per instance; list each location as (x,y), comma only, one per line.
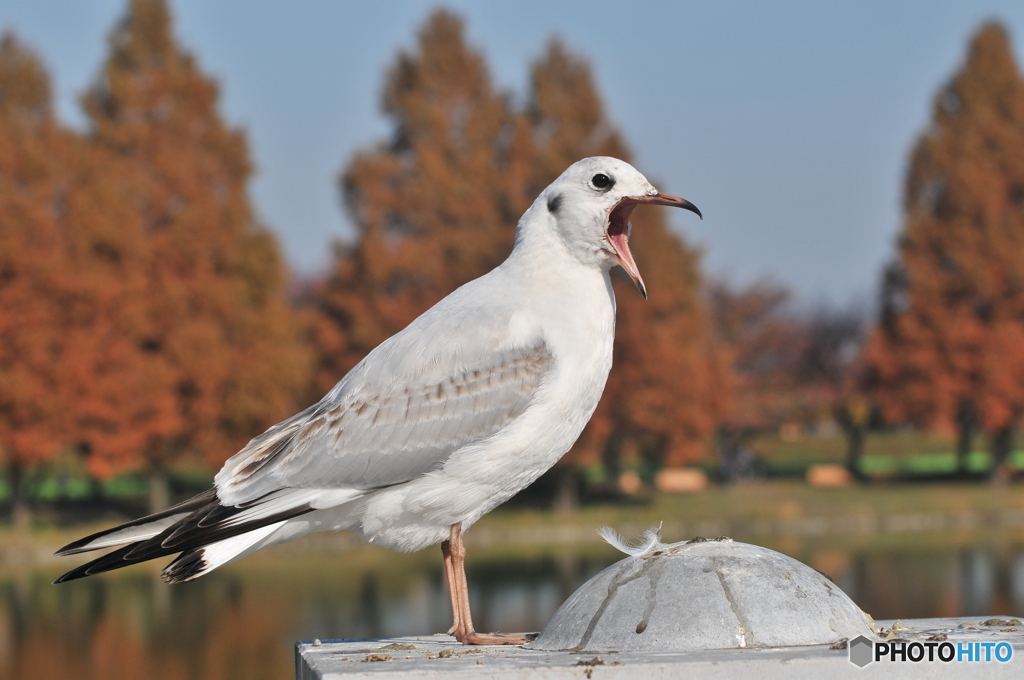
(933,463)
(886,454)
(79,487)
(906,453)
(809,449)
(782,499)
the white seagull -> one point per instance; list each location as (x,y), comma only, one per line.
(442,422)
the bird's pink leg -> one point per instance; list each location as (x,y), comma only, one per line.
(462,629)
(451,581)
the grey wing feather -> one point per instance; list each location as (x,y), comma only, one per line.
(369,435)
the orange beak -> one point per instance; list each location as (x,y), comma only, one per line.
(618,229)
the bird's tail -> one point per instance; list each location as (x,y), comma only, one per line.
(194,563)
(206,533)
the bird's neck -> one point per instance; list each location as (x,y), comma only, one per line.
(542,262)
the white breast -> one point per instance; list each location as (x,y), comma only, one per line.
(577,323)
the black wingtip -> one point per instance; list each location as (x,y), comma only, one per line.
(186,567)
(74,574)
(187,536)
(78,546)
(82,545)
(110,561)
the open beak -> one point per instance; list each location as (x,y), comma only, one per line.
(618,229)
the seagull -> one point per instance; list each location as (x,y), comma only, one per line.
(442,422)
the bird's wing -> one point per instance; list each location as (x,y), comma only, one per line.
(457,375)
(443,383)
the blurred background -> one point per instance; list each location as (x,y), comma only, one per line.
(209,213)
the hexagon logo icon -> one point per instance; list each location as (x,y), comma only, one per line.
(861,651)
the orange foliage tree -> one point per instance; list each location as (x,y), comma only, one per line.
(764,347)
(216,325)
(437,205)
(789,368)
(69,248)
(949,348)
(31,145)
(667,389)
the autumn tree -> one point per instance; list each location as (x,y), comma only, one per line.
(789,367)
(31,145)
(949,348)
(751,324)
(216,320)
(68,250)
(435,206)
(833,360)
(66,256)
(666,389)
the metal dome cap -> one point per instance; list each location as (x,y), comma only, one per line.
(702,594)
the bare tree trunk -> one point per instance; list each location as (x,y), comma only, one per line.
(95,489)
(159,494)
(611,457)
(729,443)
(854,450)
(854,415)
(1002,442)
(95,485)
(964,437)
(567,497)
(21,511)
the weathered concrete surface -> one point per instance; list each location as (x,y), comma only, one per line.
(703,594)
(440,657)
(700,609)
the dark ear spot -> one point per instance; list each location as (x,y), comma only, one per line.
(553,203)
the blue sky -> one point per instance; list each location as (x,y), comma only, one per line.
(788,123)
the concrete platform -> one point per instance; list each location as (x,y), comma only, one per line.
(441,657)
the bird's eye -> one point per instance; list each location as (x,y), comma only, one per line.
(601,181)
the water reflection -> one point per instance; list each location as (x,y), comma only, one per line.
(241,621)
(978,576)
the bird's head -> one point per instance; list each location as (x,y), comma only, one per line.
(590,205)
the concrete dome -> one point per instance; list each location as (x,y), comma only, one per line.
(703,594)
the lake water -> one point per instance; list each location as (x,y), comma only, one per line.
(242,621)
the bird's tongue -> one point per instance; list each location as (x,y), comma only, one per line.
(618,236)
